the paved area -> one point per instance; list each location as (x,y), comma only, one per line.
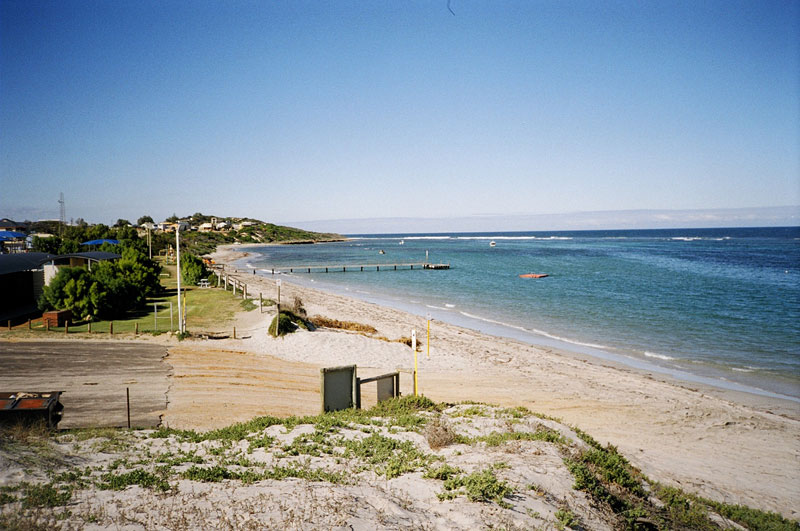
(93,376)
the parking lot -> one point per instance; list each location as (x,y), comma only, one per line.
(93,376)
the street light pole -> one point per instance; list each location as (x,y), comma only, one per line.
(178,259)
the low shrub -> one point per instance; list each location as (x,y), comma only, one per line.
(281,325)
(325,322)
(438,433)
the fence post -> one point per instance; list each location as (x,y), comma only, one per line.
(128,400)
(66,327)
(234,332)
(136,329)
(47,325)
(111,327)
(29,324)
(89,327)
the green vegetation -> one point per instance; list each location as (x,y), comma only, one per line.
(481,486)
(281,325)
(142,478)
(192,269)
(46,495)
(566,518)
(108,290)
(287,322)
(498,438)
(346,447)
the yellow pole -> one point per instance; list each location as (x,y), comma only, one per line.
(414,348)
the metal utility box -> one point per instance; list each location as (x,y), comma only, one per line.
(338,387)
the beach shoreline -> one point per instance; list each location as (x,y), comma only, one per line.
(726,445)
(234,255)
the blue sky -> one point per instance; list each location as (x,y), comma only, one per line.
(299,111)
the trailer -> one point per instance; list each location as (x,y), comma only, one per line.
(30,407)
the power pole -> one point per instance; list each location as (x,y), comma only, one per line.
(63,213)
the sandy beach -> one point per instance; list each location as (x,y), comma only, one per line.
(727,446)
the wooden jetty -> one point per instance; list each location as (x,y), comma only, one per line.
(344,268)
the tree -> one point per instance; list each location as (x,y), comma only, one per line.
(144,219)
(46,245)
(192,269)
(69,290)
(121,223)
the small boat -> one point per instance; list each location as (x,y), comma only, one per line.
(381,252)
(534,275)
(492,243)
(402,242)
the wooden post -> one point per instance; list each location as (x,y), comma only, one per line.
(111,327)
(155,317)
(29,324)
(66,328)
(9,325)
(260,303)
(128,400)
(135,330)
(47,325)
(89,327)
(234,332)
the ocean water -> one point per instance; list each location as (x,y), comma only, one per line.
(719,306)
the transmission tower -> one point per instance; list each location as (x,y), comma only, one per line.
(63,212)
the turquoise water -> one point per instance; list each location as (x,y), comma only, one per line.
(715,305)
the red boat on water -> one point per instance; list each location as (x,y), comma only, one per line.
(534,275)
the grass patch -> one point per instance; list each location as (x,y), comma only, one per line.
(566,518)
(391,457)
(692,511)
(47,495)
(480,486)
(497,438)
(111,481)
(218,473)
